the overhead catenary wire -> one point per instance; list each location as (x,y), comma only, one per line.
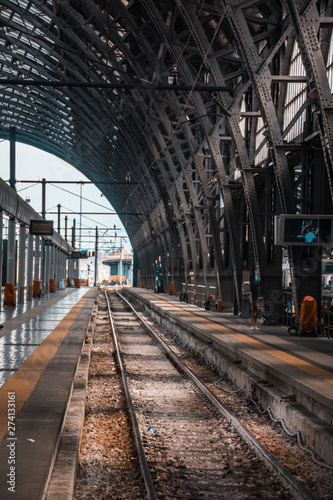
(83,198)
(28,187)
(89,218)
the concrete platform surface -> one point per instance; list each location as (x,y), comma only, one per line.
(291,376)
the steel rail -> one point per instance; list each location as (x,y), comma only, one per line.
(297,489)
(142,457)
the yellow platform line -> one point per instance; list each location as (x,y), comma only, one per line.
(272,351)
(23,381)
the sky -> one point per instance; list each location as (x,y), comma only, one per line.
(34,164)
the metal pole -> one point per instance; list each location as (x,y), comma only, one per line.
(59,206)
(12,157)
(96,256)
(66,219)
(21,275)
(73,233)
(43,197)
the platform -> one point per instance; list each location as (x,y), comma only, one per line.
(40,348)
(291,375)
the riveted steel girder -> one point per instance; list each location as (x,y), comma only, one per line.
(211,169)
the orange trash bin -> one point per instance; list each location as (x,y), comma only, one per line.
(9,295)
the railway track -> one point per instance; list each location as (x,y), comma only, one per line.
(189,444)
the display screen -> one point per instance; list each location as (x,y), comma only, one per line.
(307,231)
(41,227)
(79,255)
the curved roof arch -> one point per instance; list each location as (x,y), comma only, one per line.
(87,80)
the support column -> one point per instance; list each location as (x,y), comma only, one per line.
(46,269)
(21,274)
(11,256)
(37,256)
(59,267)
(51,265)
(71,270)
(30,260)
(66,267)
(56,267)
(52,262)
(11,251)
(42,264)
(75,266)
(62,264)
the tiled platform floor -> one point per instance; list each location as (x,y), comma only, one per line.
(40,348)
(27,325)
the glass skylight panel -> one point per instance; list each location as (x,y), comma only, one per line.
(295,98)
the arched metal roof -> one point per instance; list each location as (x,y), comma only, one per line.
(201,159)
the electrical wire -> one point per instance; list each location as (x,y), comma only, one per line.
(83,198)
(92,220)
(27,187)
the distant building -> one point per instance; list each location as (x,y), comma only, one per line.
(120,264)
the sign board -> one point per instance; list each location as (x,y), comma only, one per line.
(79,255)
(41,227)
(304,230)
